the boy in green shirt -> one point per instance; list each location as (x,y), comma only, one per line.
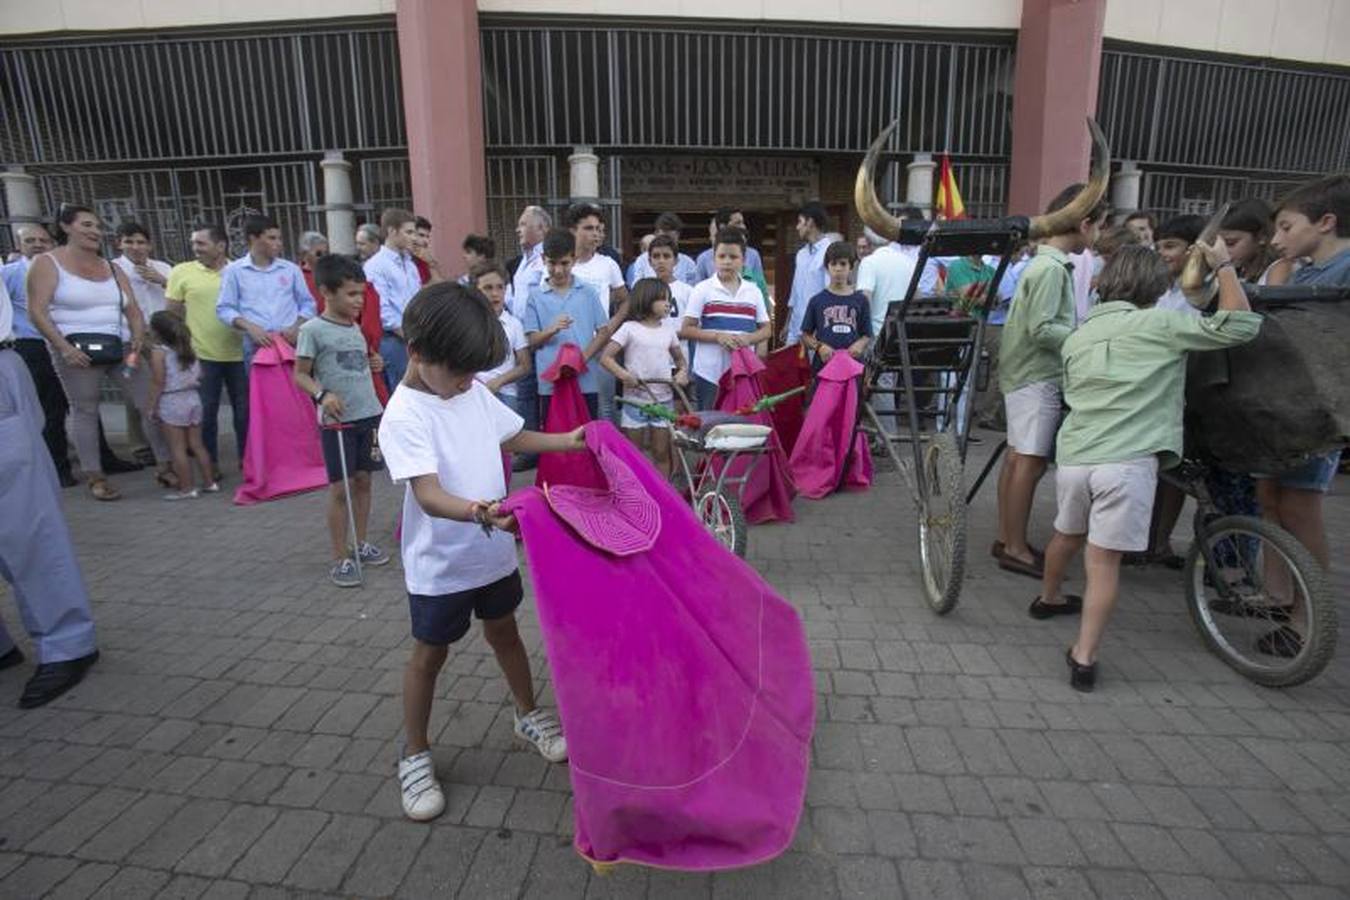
(1041,317)
(1124,375)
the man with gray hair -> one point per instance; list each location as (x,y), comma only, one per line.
(526,271)
(310,246)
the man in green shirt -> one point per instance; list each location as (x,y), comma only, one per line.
(1040,318)
(1124,375)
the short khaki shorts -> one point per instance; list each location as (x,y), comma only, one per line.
(1112,503)
(1034,412)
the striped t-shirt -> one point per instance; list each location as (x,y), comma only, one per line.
(719,309)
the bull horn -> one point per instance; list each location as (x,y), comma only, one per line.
(1194,284)
(1065,220)
(873,214)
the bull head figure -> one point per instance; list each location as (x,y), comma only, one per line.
(1198,288)
(882,222)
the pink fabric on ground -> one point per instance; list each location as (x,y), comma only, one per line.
(768,494)
(566,412)
(683,681)
(822,451)
(282,455)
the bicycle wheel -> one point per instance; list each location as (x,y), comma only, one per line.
(942,523)
(721,514)
(1260,601)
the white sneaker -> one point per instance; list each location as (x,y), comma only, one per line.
(422,796)
(182,495)
(541,728)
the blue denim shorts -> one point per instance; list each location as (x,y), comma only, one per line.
(632,417)
(1316,474)
(444,619)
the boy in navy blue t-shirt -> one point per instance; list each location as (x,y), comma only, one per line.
(839,317)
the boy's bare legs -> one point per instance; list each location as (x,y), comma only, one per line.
(419,687)
(361,504)
(1301,516)
(337,520)
(1099,600)
(1004,486)
(504,639)
(1167,506)
(1058,554)
(1015,503)
(660,438)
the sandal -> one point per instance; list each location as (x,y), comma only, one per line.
(167,479)
(996,551)
(102,490)
(1033,569)
(1072,606)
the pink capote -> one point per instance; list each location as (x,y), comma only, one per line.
(818,459)
(768,494)
(566,412)
(683,681)
(282,455)
(785,369)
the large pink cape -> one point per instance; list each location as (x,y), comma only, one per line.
(768,494)
(566,412)
(822,450)
(282,455)
(683,681)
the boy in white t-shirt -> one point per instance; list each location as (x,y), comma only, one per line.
(442,434)
(491,280)
(587,224)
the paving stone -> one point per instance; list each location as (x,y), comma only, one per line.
(322,866)
(280,846)
(132,884)
(867,877)
(171,842)
(84,882)
(500,866)
(223,846)
(131,827)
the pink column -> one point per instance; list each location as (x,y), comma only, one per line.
(1059,53)
(443,106)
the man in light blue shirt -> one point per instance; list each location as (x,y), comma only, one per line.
(262,294)
(393,274)
(809,276)
(725,217)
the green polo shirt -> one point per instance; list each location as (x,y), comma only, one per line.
(1041,317)
(1125,379)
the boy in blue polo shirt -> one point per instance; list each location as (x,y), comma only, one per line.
(564,310)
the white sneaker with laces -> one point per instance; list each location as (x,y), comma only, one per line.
(541,729)
(422,796)
(182,495)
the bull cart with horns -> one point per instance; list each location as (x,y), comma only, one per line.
(925,356)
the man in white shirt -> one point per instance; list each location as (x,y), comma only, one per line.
(808,275)
(393,273)
(587,223)
(147,278)
(526,271)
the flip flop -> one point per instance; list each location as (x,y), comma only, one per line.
(1018,567)
(1072,606)
(996,550)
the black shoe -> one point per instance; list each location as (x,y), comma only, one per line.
(11,659)
(66,479)
(115,466)
(1072,606)
(1081,678)
(1283,642)
(51,680)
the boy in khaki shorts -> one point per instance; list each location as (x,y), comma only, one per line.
(1124,383)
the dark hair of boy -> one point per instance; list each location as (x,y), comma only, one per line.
(559,242)
(488,267)
(646,294)
(254,226)
(816,213)
(730,236)
(1252,215)
(481,244)
(332,269)
(1069,194)
(214,233)
(1182,228)
(131,229)
(447,324)
(664,240)
(668,221)
(172,331)
(578,212)
(1141,214)
(722,216)
(1134,274)
(395,219)
(422,223)
(841,250)
(1317,198)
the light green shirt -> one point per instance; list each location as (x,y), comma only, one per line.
(1041,317)
(1125,379)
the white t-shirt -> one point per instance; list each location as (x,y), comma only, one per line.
(679,297)
(1175,300)
(718,309)
(646,354)
(459,440)
(149,296)
(601,273)
(515,338)
(885,277)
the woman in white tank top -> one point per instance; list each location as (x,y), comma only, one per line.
(73,290)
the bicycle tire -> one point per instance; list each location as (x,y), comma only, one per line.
(1319,642)
(942,523)
(721,514)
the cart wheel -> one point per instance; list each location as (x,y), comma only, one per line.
(942,523)
(721,514)
(1241,574)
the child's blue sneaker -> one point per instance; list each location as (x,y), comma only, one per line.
(422,796)
(541,729)
(372,555)
(344,573)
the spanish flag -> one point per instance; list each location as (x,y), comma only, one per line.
(949,205)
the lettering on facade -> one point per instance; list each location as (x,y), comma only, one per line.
(764,176)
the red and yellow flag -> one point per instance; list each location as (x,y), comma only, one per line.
(949,205)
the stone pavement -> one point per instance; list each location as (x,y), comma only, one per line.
(238,737)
